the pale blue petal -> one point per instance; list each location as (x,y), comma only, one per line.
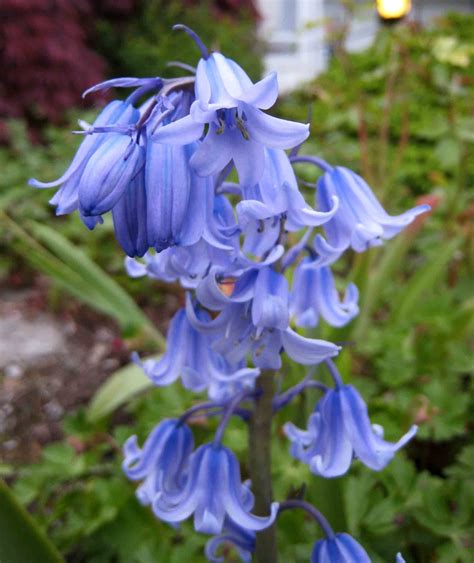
(335,455)
(263,94)
(270,302)
(134,268)
(301,215)
(233,500)
(273,131)
(125,82)
(214,153)
(307,351)
(370,448)
(210,294)
(181,132)
(249,159)
(213,326)
(327,254)
(213,476)
(202,86)
(261,236)
(267,349)
(335,312)
(167,369)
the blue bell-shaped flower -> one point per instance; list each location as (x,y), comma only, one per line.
(340,548)
(340,430)
(162,462)
(116,113)
(314,294)
(360,222)
(189,354)
(241,539)
(238,129)
(213,491)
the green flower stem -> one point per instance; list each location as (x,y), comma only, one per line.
(260,465)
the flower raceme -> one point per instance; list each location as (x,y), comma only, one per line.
(161,162)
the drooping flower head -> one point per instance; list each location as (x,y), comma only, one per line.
(213,491)
(314,294)
(162,462)
(361,222)
(340,430)
(340,548)
(189,355)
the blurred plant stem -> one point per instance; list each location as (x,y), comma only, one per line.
(260,464)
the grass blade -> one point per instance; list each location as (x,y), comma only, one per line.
(21,539)
(116,391)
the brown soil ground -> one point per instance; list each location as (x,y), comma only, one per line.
(50,364)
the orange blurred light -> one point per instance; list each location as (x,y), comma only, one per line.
(393,9)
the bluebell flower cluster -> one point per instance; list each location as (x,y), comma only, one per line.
(161,162)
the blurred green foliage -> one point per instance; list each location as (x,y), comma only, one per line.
(402,114)
(143,46)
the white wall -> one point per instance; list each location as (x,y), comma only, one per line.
(296,46)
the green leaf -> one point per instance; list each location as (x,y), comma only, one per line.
(464,467)
(6,470)
(382,274)
(50,252)
(117,390)
(424,280)
(380,520)
(357,494)
(126,310)
(447,152)
(21,539)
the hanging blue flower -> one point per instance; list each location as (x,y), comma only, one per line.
(212,492)
(314,294)
(190,356)
(340,548)
(162,462)
(361,222)
(340,430)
